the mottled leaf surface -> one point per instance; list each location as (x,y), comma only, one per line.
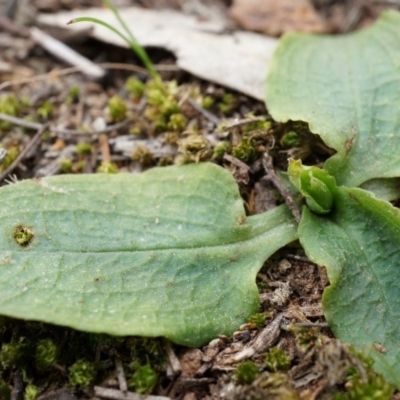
(347,88)
(166,253)
(358,243)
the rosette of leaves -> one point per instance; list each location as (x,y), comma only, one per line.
(172,253)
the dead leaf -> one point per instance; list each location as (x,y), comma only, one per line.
(277,17)
(237,60)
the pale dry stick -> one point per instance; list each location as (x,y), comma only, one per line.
(121,375)
(104,148)
(241,122)
(66,132)
(173,361)
(73,70)
(35,139)
(313,324)
(211,117)
(66,54)
(282,189)
(114,394)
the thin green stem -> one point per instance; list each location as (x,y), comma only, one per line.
(131,41)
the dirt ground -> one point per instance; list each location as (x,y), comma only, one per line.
(84,135)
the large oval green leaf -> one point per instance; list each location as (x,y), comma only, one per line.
(347,88)
(166,253)
(359,245)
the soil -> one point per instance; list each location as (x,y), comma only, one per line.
(82,136)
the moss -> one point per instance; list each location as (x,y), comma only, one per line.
(220,149)
(66,166)
(142,155)
(23,235)
(277,360)
(246,373)
(117,109)
(107,167)
(143,379)
(5,391)
(135,87)
(82,373)
(31,392)
(14,355)
(84,148)
(257,319)
(9,105)
(12,153)
(207,102)
(46,354)
(45,110)
(194,148)
(73,94)
(371,388)
(291,139)
(227,103)
(245,151)
(177,122)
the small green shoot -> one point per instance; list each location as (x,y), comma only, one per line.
(143,379)
(128,38)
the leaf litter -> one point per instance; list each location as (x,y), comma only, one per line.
(290,285)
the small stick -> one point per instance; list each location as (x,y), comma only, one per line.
(17,392)
(173,360)
(274,179)
(104,148)
(35,139)
(66,132)
(121,375)
(211,117)
(237,162)
(66,54)
(313,324)
(115,394)
(73,70)
(241,122)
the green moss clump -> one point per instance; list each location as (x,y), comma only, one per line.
(220,149)
(245,151)
(12,153)
(46,354)
(117,109)
(258,319)
(84,148)
(291,139)
(143,379)
(107,167)
(207,102)
(227,103)
(73,94)
(14,355)
(5,391)
(177,122)
(277,360)
(31,392)
(246,373)
(82,373)
(194,148)
(45,110)
(10,105)
(142,155)
(66,166)
(23,235)
(375,387)
(135,87)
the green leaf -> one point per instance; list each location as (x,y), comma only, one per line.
(359,245)
(166,253)
(347,88)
